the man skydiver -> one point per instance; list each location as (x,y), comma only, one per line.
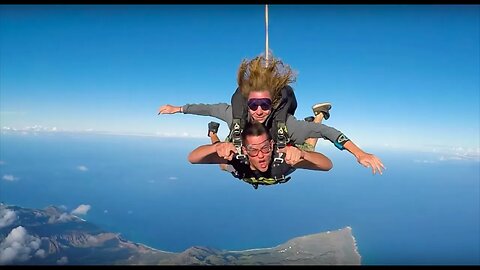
(259,147)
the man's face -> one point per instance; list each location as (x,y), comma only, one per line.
(259,150)
(259,105)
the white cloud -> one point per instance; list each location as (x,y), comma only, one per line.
(424,161)
(38,129)
(457,153)
(64,217)
(82,168)
(81,209)
(30,129)
(9,177)
(444,153)
(2,162)
(178,135)
(41,253)
(172,178)
(63,260)
(18,246)
(466,156)
(7,217)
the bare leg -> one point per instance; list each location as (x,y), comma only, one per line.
(313,141)
(214,139)
(320,111)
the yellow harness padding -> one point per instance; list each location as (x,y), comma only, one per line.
(264,180)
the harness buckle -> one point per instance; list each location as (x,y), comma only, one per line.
(236,134)
(241,157)
(278,160)
(237,141)
(281,179)
(281,141)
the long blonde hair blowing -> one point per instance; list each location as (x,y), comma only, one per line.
(256,75)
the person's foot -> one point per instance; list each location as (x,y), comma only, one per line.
(322,108)
(309,118)
(213,127)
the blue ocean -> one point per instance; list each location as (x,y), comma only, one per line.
(421,211)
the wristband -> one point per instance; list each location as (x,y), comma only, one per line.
(340,141)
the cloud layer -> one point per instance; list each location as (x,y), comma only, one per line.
(19,246)
(7,217)
(9,177)
(82,168)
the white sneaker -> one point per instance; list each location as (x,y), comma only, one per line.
(322,108)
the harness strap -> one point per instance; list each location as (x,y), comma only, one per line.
(237,140)
(265,181)
(281,142)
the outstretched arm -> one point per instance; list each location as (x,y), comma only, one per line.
(300,130)
(366,159)
(306,159)
(170,109)
(221,111)
(218,153)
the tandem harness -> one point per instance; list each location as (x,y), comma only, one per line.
(275,123)
(264,181)
(277,174)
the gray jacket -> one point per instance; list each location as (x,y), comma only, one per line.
(299,130)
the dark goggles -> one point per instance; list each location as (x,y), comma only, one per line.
(264,103)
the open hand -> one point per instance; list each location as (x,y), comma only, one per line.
(169,109)
(371,161)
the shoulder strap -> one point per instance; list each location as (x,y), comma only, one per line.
(240,115)
(278,117)
(278,130)
(287,105)
(239,107)
(280,169)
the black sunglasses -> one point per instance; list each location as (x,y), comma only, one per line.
(264,103)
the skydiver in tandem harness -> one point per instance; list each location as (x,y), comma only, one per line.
(264,95)
(259,148)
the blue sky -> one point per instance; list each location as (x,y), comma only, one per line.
(399,77)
